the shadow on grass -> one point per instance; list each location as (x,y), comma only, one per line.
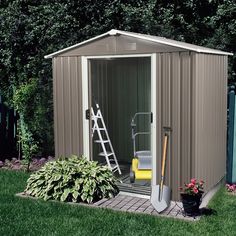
(207,211)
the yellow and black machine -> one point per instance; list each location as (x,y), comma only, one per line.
(141,168)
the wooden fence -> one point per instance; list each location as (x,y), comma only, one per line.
(8,124)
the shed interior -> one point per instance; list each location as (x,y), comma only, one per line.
(122,87)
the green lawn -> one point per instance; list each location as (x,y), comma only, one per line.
(30,217)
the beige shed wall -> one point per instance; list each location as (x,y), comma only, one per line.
(191,99)
(174,98)
(67,93)
(210,114)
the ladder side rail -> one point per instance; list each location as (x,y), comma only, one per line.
(108,138)
(96,127)
(92,118)
(106,132)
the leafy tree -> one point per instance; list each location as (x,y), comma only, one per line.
(31,29)
(224,37)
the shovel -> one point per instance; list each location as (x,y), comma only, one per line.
(160,197)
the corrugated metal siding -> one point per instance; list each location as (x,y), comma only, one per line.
(192,101)
(185,116)
(67,89)
(174,73)
(166,107)
(211,118)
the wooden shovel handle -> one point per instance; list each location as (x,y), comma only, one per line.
(164,155)
(164,159)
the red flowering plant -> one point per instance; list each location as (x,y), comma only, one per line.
(231,187)
(193,188)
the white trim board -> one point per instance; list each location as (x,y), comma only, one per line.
(154,118)
(85,106)
(119,56)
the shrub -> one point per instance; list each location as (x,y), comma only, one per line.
(73,180)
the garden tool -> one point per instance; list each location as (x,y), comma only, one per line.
(160,197)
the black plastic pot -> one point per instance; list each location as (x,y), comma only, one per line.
(191,203)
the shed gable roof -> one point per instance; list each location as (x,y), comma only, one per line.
(150,38)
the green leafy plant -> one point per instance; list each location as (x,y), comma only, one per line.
(72,180)
(27,143)
(22,99)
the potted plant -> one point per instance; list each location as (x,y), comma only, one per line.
(191,195)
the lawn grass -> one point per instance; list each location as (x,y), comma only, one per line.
(20,216)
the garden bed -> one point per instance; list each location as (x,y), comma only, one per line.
(16,164)
(132,204)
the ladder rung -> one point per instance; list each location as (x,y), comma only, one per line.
(101,128)
(101,141)
(96,117)
(114,167)
(108,154)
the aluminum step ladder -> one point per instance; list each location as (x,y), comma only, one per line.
(104,139)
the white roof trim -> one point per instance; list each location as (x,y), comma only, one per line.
(165,41)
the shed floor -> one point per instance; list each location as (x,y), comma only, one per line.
(139,187)
(141,205)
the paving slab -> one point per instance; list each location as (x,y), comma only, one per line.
(143,205)
(136,205)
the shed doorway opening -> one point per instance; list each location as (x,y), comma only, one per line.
(122,88)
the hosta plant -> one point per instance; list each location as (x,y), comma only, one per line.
(72,180)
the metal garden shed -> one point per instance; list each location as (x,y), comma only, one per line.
(184,86)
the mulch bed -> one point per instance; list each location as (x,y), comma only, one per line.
(16,164)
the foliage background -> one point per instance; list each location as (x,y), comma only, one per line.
(31,29)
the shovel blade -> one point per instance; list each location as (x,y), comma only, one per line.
(160,199)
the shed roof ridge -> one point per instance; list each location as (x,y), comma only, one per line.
(152,38)
(181,44)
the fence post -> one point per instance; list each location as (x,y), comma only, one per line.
(231,141)
(8,137)
(2,129)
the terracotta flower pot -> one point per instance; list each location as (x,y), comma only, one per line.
(191,203)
